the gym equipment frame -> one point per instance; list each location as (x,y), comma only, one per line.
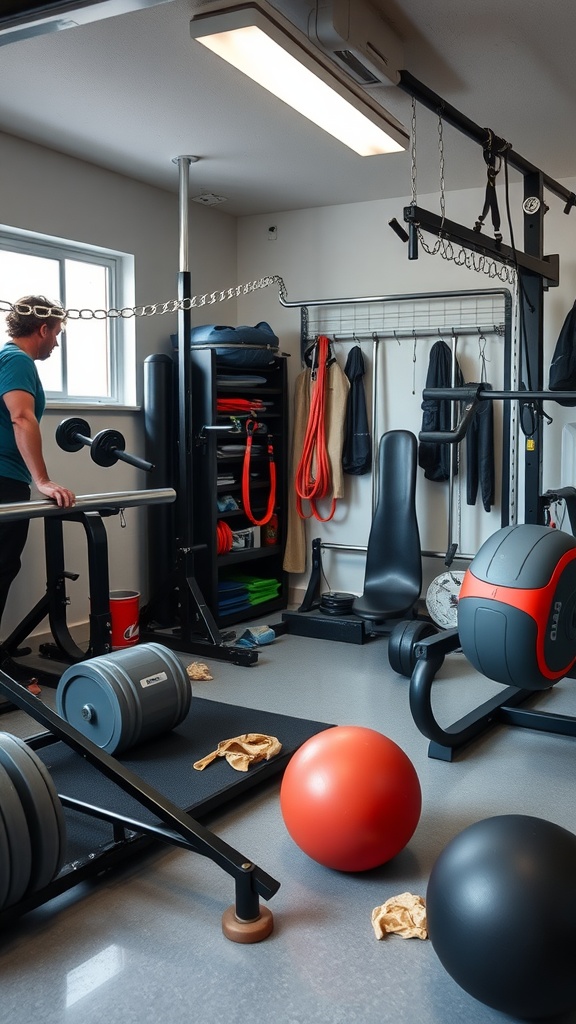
(536,272)
(90,510)
(244,921)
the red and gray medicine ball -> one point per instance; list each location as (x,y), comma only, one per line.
(517,607)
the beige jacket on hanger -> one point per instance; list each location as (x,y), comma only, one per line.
(337,387)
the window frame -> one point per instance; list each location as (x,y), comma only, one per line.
(121,332)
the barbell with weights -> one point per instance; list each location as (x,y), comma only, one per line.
(106,448)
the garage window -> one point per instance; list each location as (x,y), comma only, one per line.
(94,363)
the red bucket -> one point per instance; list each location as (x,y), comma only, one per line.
(124,616)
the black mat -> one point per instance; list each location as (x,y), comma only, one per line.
(166,764)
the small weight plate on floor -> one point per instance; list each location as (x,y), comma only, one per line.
(19,862)
(402,642)
(42,807)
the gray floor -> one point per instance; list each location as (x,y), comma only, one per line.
(146,945)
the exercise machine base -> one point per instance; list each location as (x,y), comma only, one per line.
(502,709)
(346,629)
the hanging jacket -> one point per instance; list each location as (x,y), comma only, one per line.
(563,366)
(480,470)
(357,453)
(434,458)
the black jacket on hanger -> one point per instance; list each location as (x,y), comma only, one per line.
(357,451)
(434,458)
(480,453)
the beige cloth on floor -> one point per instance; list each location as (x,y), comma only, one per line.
(242,751)
(405,915)
(198,670)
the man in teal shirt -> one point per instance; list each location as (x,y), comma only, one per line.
(32,336)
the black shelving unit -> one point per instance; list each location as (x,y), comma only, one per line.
(212,458)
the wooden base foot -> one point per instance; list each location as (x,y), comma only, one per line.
(247,931)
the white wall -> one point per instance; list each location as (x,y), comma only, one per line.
(42,190)
(322,253)
(350,251)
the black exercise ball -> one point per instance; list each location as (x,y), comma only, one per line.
(501,908)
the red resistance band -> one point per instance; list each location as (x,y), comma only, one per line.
(314,450)
(251,427)
(252,405)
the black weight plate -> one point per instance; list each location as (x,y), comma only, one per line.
(19,863)
(5,864)
(105,447)
(42,807)
(402,642)
(67,431)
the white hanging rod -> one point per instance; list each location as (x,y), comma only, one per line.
(415,333)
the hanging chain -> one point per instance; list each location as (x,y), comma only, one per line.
(150,309)
(413,164)
(442,181)
(443,247)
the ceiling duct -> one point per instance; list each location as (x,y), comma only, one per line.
(356,37)
(21,19)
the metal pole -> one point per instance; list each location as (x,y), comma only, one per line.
(86,503)
(184,509)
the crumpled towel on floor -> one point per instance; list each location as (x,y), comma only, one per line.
(242,751)
(198,670)
(405,915)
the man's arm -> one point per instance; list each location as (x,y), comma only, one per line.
(20,405)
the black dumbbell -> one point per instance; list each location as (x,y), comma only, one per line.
(106,448)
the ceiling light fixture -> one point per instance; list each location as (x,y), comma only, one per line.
(259,42)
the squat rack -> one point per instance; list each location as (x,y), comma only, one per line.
(536,272)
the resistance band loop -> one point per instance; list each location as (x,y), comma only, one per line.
(251,426)
(313,476)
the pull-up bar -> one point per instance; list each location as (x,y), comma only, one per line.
(452,116)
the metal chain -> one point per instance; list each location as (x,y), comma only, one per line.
(442,246)
(150,309)
(442,182)
(413,154)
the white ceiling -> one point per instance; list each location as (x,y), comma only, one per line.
(132,92)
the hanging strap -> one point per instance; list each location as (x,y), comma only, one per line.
(251,427)
(309,487)
(493,160)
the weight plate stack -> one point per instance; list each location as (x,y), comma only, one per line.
(32,824)
(335,603)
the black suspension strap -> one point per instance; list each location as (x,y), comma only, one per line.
(492,152)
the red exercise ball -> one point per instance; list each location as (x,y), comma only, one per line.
(350,798)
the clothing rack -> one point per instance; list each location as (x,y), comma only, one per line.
(450,315)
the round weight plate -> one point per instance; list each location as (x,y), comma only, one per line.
(105,447)
(67,431)
(93,706)
(19,862)
(42,807)
(402,642)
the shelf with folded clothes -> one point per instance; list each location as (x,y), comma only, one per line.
(219,462)
(245,592)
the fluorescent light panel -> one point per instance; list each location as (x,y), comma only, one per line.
(260,48)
